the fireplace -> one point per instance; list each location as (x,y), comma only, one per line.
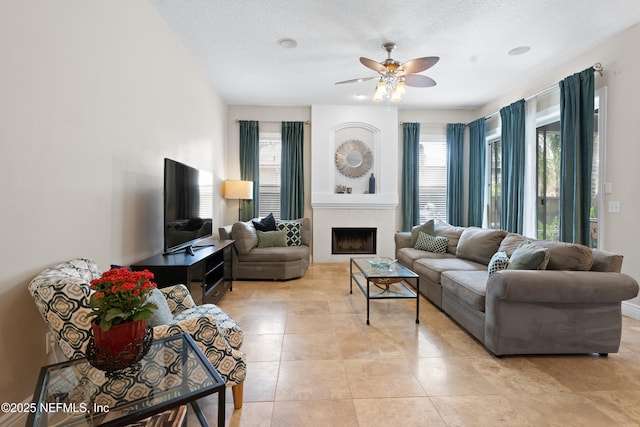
(353,240)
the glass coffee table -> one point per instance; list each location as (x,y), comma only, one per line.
(384,278)
(174,372)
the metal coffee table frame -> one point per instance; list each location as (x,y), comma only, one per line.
(196,378)
(392,282)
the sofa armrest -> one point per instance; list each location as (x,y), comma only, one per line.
(402,239)
(178,298)
(580,287)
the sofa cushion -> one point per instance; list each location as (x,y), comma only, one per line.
(268,239)
(432,268)
(606,261)
(293,230)
(276,254)
(427,227)
(469,286)
(511,242)
(429,243)
(567,256)
(499,261)
(479,244)
(268,223)
(407,256)
(244,236)
(450,232)
(529,256)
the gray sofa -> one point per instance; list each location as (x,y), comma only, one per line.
(267,263)
(573,305)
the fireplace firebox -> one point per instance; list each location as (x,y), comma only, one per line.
(353,240)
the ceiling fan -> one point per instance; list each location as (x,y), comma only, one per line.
(394,76)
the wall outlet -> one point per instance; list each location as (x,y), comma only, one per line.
(614,207)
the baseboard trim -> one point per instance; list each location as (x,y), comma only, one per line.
(631,310)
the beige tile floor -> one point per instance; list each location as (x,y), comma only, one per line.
(313,361)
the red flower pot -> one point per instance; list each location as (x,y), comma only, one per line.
(122,342)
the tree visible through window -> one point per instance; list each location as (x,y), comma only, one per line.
(548,178)
(495,182)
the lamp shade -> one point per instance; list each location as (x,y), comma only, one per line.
(234,189)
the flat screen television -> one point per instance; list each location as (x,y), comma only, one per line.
(188,210)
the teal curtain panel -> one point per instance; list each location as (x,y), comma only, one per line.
(292,171)
(250,166)
(410,197)
(477,149)
(513,162)
(455,173)
(576,144)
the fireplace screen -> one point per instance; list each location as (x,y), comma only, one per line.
(353,240)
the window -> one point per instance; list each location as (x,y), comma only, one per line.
(433,178)
(495,182)
(270,154)
(548,181)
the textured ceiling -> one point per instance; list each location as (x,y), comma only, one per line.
(236,43)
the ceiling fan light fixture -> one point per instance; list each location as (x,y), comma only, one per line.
(377,96)
(401,88)
(395,95)
(381,88)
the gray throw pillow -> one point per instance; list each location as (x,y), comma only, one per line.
(269,239)
(162,315)
(529,256)
(427,228)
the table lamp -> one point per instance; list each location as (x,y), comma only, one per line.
(240,190)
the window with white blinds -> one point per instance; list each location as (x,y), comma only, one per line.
(433,178)
(270,154)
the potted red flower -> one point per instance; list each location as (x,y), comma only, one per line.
(120,307)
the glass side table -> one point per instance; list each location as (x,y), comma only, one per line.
(174,372)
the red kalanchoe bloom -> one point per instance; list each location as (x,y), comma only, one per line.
(121,296)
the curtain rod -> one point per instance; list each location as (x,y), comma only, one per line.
(308,122)
(597,67)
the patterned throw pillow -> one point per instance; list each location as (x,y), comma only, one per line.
(435,244)
(499,261)
(293,230)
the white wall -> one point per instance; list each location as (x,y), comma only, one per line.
(621,64)
(94,96)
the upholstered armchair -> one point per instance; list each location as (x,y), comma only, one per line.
(61,294)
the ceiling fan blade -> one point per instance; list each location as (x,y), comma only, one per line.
(374,65)
(361,79)
(418,65)
(418,80)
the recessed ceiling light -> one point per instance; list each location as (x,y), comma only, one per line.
(520,50)
(287,43)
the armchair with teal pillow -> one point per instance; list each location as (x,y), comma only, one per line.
(61,294)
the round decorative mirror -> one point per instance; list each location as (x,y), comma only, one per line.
(354,158)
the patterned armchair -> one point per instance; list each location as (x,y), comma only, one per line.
(62,296)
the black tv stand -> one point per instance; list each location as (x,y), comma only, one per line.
(210,266)
(189,250)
